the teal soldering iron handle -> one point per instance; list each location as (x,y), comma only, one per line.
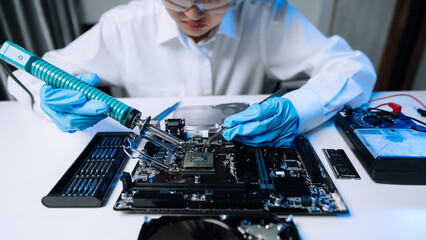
(55,77)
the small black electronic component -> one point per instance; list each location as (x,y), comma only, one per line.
(340,164)
(175,127)
(88,181)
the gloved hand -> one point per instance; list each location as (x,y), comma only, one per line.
(70,110)
(272,123)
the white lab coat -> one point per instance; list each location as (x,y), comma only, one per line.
(138,46)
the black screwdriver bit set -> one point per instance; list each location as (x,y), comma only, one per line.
(89,180)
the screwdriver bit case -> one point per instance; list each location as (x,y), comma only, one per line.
(89,180)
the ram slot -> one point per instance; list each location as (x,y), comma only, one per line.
(265,183)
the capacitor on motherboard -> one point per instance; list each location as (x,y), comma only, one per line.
(197,179)
(278,201)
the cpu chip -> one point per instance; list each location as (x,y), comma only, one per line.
(194,160)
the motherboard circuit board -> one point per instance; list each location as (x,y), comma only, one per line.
(229,178)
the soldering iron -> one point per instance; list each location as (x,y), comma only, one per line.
(55,77)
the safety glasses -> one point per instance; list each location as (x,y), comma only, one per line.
(204,6)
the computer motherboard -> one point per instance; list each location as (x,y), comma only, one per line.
(228,179)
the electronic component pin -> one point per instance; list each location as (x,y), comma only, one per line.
(103,170)
(114,143)
(94,153)
(95,182)
(108,154)
(80,188)
(103,141)
(87,169)
(117,141)
(76,186)
(113,140)
(83,169)
(87,172)
(71,186)
(93,190)
(93,169)
(99,153)
(87,186)
(98,169)
(106,142)
(121,142)
(110,141)
(113,154)
(107,168)
(103,153)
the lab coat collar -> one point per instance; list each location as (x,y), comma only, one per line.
(168,30)
(229,26)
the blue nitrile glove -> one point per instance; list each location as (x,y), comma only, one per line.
(272,123)
(70,110)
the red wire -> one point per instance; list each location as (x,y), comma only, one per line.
(396,95)
(381,105)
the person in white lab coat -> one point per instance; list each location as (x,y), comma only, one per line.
(179,48)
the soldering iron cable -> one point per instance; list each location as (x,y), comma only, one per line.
(10,73)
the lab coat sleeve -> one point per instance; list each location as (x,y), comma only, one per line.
(337,74)
(97,51)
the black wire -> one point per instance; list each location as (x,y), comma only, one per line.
(397,115)
(419,130)
(3,64)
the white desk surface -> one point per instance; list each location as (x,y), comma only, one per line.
(35,154)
